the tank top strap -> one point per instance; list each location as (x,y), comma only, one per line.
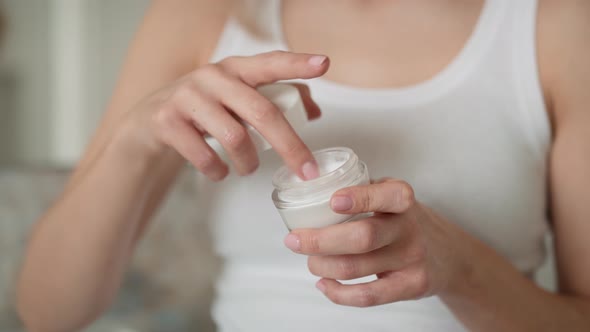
(521,31)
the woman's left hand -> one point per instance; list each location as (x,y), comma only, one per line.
(413,252)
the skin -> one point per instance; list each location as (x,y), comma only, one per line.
(142,142)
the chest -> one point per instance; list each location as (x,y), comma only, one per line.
(469,136)
(380,43)
(468,166)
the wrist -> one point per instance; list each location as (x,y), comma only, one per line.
(461,280)
(136,140)
(475,265)
(465,266)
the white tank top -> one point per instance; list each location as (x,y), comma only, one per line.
(472,141)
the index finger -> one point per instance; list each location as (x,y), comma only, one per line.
(262,114)
(270,122)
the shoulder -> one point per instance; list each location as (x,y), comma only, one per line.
(191,27)
(563,40)
(564,60)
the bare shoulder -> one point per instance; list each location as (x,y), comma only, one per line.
(564,60)
(174,38)
(193,25)
(564,56)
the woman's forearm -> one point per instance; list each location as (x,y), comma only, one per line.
(79,249)
(491,295)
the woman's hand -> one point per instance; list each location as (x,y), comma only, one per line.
(413,252)
(212,99)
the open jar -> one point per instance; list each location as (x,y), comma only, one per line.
(306,204)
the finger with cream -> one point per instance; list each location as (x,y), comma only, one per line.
(306,204)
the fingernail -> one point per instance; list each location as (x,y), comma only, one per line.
(292,242)
(317,60)
(341,203)
(310,170)
(320,285)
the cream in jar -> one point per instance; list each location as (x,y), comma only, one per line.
(306,204)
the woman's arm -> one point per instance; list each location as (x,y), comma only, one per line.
(79,248)
(416,253)
(496,297)
(165,101)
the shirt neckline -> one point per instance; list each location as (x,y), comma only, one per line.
(440,83)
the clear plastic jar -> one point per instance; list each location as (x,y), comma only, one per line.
(306,204)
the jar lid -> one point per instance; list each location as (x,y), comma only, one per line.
(287,99)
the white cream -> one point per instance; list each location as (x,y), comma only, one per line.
(306,204)
(325,167)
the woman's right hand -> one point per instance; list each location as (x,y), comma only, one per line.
(212,98)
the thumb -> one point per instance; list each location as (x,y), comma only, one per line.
(391,196)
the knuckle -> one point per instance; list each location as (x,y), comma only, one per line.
(313,266)
(366,237)
(205,160)
(421,283)
(335,297)
(232,65)
(235,137)
(164,116)
(264,111)
(366,297)
(183,92)
(311,243)
(229,61)
(251,167)
(207,71)
(415,254)
(218,176)
(346,268)
(364,200)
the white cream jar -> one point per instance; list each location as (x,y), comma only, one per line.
(306,204)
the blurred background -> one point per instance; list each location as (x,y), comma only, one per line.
(59,62)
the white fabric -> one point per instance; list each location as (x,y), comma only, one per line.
(472,141)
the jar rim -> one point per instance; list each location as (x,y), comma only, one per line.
(291,191)
(281,173)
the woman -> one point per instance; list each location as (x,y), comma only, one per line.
(444,95)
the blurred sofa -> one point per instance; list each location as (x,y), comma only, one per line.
(168,286)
